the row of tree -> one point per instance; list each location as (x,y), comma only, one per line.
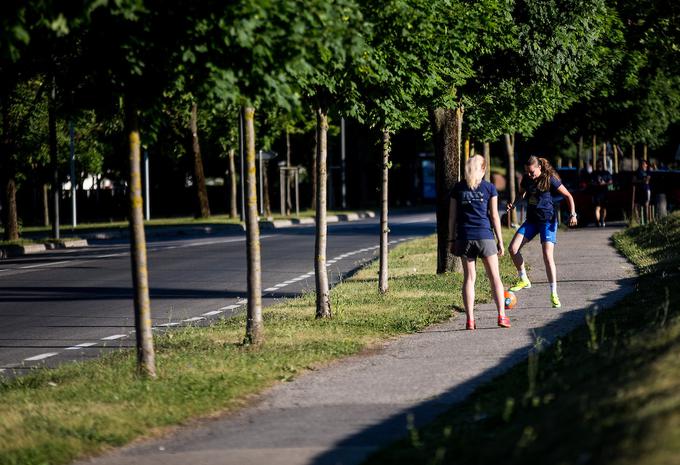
(498,66)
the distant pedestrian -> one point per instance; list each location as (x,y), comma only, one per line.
(600,182)
(643,192)
(473,221)
(538,186)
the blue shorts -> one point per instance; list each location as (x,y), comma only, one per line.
(548,231)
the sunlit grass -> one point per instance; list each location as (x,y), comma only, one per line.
(608,393)
(55,416)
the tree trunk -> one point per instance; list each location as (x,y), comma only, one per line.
(265,189)
(644,152)
(10,221)
(323,302)
(288,177)
(594,151)
(46,204)
(199,176)
(581,165)
(467,149)
(233,209)
(446,133)
(146,364)
(510,147)
(54,161)
(384,225)
(633,159)
(616,158)
(487,159)
(254,324)
(315,181)
(11,217)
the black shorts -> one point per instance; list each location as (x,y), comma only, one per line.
(475,248)
(643,196)
(600,199)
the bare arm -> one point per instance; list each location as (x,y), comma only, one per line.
(572,206)
(496,224)
(522,194)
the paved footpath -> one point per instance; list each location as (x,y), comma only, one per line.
(339,414)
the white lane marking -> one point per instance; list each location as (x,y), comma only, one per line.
(114,337)
(40,357)
(299,278)
(196,318)
(214,312)
(152,246)
(44,264)
(228,307)
(290,281)
(166,325)
(242,301)
(271,289)
(81,346)
(330,262)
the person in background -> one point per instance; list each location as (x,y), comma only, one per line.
(473,221)
(600,180)
(643,191)
(539,186)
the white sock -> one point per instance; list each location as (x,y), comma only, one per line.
(523,275)
(553,288)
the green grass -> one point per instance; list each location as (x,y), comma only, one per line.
(55,416)
(165,222)
(608,393)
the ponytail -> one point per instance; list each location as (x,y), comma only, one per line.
(547,172)
(474,171)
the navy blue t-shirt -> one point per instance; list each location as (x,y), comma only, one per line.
(540,208)
(472,210)
(598,177)
(641,177)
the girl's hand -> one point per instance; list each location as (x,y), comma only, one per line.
(510,206)
(501,249)
(572,221)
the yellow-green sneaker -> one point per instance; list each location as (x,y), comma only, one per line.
(521,284)
(555,300)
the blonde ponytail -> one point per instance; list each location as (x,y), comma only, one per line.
(474,171)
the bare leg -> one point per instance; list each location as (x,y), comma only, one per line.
(597,215)
(549,260)
(516,245)
(469,276)
(491,266)
(604,215)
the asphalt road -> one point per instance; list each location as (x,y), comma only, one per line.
(75,304)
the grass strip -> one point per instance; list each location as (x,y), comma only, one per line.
(165,222)
(79,409)
(607,393)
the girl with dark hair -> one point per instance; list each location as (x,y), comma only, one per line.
(538,186)
(473,220)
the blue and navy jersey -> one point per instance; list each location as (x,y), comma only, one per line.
(472,208)
(540,207)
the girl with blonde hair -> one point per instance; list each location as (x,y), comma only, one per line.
(473,220)
(539,186)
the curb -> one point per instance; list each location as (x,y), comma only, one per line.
(9,251)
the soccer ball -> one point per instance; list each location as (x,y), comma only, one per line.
(510,299)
